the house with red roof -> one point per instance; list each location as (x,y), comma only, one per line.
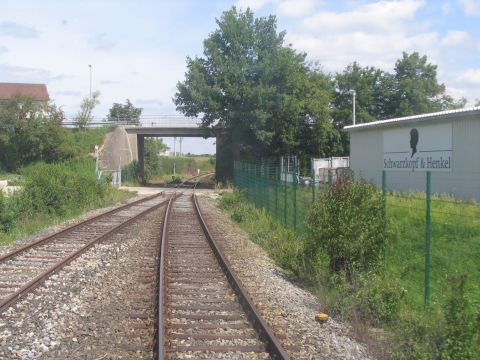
(36,91)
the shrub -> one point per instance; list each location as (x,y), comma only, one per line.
(379,299)
(348,224)
(462,326)
(56,188)
(6,214)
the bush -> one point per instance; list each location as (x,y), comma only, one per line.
(348,224)
(57,188)
(379,299)
(462,332)
(6,214)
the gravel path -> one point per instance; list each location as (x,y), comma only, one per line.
(288,309)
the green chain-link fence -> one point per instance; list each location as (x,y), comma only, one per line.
(433,237)
(283,187)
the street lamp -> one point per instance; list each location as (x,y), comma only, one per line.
(90,66)
(354,93)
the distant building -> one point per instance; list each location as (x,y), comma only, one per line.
(36,91)
(446,143)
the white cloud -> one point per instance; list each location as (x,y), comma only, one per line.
(13,29)
(372,34)
(252,4)
(3,49)
(381,16)
(100,42)
(470,78)
(455,38)
(447,8)
(295,7)
(471,7)
(380,50)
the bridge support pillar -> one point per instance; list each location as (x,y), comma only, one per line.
(141,156)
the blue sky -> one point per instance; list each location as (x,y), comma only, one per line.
(138,48)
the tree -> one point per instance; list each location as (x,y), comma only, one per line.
(477,103)
(84,115)
(31,131)
(374,89)
(251,85)
(417,89)
(127,112)
(153,148)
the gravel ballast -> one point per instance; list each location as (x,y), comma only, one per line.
(79,313)
(288,309)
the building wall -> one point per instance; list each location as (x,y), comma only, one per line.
(366,159)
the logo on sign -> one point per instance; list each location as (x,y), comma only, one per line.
(429,148)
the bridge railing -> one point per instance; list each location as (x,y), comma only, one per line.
(145,121)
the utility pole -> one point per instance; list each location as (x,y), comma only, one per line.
(181,139)
(90,66)
(354,93)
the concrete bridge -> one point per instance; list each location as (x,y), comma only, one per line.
(128,141)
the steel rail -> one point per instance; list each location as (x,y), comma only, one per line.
(32,284)
(72,227)
(274,348)
(160,336)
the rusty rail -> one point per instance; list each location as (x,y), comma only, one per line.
(72,227)
(32,284)
(265,332)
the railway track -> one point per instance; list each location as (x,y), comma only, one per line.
(25,268)
(184,301)
(204,313)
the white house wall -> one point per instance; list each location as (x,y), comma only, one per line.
(366,158)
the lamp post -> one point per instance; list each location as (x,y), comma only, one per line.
(90,66)
(354,93)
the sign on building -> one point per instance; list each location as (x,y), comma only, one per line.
(419,148)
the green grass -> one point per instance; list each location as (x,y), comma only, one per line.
(455,246)
(83,142)
(27,225)
(185,167)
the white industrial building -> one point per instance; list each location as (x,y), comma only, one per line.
(447,143)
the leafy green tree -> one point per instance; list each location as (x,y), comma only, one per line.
(127,112)
(31,131)
(153,148)
(251,85)
(374,89)
(84,115)
(417,89)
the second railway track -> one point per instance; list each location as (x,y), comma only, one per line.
(25,268)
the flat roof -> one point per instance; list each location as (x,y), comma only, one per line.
(446,114)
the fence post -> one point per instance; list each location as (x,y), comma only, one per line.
(384,210)
(267,185)
(295,185)
(427,240)
(277,180)
(285,200)
(313,186)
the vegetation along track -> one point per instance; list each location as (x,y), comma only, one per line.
(203,311)
(25,268)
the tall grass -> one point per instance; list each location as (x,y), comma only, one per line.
(82,142)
